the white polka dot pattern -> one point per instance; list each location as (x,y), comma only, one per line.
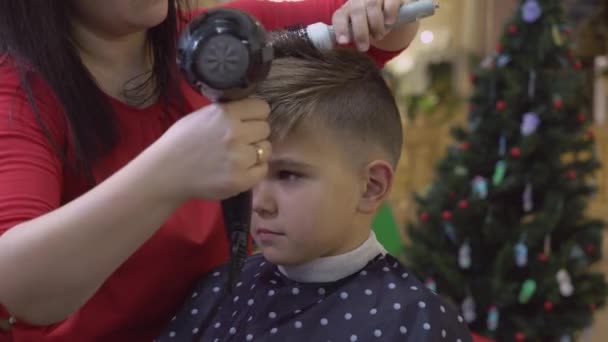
(384,303)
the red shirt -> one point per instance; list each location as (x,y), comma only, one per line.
(137,301)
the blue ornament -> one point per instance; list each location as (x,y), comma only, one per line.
(576,252)
(529,123)
(492,321)
(503,60)
(521,254)
(480,187)
(449,231)
(431,284)
(531,11)
(474,123)
(502,145)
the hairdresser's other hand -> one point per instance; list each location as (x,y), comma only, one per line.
(371,21)
(212,152)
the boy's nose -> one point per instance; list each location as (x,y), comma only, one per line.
(264,203)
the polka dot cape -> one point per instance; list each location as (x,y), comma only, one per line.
(382,302)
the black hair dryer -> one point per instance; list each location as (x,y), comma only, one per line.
(224,53)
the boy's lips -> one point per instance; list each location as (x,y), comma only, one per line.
(263,231)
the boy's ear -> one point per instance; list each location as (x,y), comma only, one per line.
(378,179)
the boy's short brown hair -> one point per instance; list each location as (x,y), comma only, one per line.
(342,90)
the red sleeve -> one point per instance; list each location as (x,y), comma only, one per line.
(279,14)
(30,169)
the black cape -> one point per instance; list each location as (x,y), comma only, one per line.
(381,302)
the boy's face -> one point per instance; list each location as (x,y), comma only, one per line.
(307,206)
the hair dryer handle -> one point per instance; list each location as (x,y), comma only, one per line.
(237,216)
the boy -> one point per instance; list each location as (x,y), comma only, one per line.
(321,274)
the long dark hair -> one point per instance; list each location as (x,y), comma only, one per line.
(36,36)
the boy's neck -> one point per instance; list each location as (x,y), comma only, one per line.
(333,268)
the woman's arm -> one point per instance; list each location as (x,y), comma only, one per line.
(280,14)
(52,259)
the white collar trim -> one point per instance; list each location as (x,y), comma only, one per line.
(333,268)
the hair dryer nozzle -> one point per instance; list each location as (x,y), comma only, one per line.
(223,53)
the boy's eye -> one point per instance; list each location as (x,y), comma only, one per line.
(289,175)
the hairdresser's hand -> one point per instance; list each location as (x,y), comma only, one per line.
(211,153)
(371,21)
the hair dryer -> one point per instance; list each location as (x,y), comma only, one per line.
(224,53)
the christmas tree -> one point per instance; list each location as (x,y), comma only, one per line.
(503,230)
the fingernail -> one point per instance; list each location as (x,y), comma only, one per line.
(363,47)
(342,39)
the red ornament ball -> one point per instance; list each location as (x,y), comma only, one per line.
(515,152)
(580,118)
(425,217)
(520,337)
(499,48)
(571,175)
(501,105)
(463,204)
(513,29)
(590,248)
(447,215)
(548,305)
(542,257)
(590,135)
(558,104)
(465,146)
(578,65)
(472,78)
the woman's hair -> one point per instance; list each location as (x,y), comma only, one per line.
(36,37)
